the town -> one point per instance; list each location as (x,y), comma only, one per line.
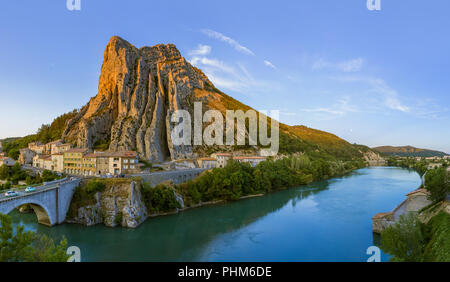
(62,157)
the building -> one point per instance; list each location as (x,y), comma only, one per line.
(60,148)
(252,160)
(207,163)
(222,159)
(73,161)
(7,161)
(123,162)
(26,156)
(37,147)
(102,163)
(1,147)
(434,165)
(51,146)
(43,162)
(89,165)
(58,162)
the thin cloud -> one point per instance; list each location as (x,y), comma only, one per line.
(269,64)
(380,87)
(354,65)
(201,50)
(228,40)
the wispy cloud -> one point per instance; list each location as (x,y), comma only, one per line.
(269,64)
(379,87)
(353,65)
(201,50)
(342,107)
(219,36)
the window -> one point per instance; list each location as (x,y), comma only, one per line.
(132,161)
(125,166)
(132,166)
(125,160)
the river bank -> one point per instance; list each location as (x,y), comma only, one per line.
(130,202)
(326,220)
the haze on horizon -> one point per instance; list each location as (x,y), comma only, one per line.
(371,77)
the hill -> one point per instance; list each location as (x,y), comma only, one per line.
(408,151)
(138,90)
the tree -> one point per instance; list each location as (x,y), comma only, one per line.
(27,246)
(4,172)
(404,240)
(437,183)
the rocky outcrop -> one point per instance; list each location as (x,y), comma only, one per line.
(374,159)
(138,90)
(120,204)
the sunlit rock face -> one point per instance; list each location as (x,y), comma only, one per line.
(138,90)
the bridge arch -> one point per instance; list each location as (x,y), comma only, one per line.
(41,211)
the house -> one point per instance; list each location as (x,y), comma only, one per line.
(51,146)
(73,160)
(434,165)
(26,156)
(252,160)
(43,162)
(7,161)
(102,163)
(207,163)
(89,165)
(222,159)
(37,147)
(60,148)
(123,162)
(58,162)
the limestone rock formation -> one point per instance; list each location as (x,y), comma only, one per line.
(121,204)
(138,90)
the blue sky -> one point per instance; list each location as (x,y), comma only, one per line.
(371,77)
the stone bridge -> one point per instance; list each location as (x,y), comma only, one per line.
(50,202)
(177,176)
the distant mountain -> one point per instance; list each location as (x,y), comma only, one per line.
(408,151)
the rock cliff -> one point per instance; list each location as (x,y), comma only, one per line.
(120,204)
(138,90)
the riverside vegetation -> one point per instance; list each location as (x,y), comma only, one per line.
(27,246)
(422,236)
(231,183)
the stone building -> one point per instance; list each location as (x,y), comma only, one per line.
(7,161)
(252,160)
(26,156)
(207,163)
(58,162)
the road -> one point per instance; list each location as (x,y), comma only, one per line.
(21,191)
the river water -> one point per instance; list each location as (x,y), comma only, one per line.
(324,221)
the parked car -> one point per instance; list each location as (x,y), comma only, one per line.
(11,194)
(30,189)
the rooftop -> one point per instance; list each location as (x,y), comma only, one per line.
(249,158)
(76,150)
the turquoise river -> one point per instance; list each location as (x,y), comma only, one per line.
(324,221)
